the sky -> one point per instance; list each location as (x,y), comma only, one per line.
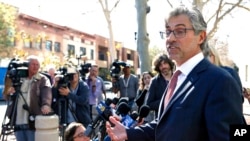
(87,16)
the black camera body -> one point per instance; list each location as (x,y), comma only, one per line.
(84,69)
(65,77)
(115,69)
(16,70)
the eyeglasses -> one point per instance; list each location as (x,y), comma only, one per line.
(178,33)
(80,135)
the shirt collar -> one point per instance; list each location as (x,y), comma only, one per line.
(187,67)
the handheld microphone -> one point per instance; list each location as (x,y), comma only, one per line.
(144,111)
(104,111)
(122,109)
(130,121)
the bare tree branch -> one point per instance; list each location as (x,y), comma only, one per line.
(240,6)
(219,18)
(170,4)
(115,5)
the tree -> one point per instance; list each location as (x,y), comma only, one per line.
(215,16)
(107,12)
(8,16)
(142,37)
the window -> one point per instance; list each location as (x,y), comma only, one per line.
(48,45)
(71,50)
(92,54)
(101,56)
(129,57)
(37,43)
(83,51)
(57,47)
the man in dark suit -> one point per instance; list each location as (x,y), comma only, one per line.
(206,99)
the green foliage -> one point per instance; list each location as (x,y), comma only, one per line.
(8,16)
(104,73)
(153,51)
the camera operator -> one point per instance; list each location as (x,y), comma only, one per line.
(35,96)
(77,97)
(128,85)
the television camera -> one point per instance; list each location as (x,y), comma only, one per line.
(84,69)
(115,71)
(16,70)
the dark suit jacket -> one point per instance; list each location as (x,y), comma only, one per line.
(202,109)
(156,91)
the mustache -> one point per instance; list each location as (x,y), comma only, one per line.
(172,45)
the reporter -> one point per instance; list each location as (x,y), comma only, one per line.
(35,95)
(75,132)
(76,93)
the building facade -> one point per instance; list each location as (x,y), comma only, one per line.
(56,44)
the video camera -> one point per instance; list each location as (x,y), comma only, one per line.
(116,68)
(65,77)
(84,69)
(16,70)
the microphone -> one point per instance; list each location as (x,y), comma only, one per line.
(104,111)
(144,111)
(123,109)
(123,99)
(130,120)
(115,100)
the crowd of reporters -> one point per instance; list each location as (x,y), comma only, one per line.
(71,95)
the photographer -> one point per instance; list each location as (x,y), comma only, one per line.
(33,98)
(128,85)
(75,93)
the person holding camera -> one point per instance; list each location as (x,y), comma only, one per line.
(128,85)
(75,95)
(33,98)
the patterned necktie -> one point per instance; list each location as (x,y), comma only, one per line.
(171,87)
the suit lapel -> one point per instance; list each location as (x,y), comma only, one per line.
(186,87)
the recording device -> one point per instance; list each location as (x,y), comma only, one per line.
(130,120)
(144,111)
(84,69)
(116,68)
(104,112)
(64,78)
(16,70)
(115,71)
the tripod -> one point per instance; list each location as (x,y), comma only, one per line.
(8,123)
(63,107)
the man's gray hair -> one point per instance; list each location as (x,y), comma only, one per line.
(195,17)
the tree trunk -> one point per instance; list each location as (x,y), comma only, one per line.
(142,36)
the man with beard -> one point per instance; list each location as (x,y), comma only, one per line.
(164,67)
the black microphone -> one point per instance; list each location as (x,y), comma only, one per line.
(115,100)
(123,109)
(144,111)
(123,99)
